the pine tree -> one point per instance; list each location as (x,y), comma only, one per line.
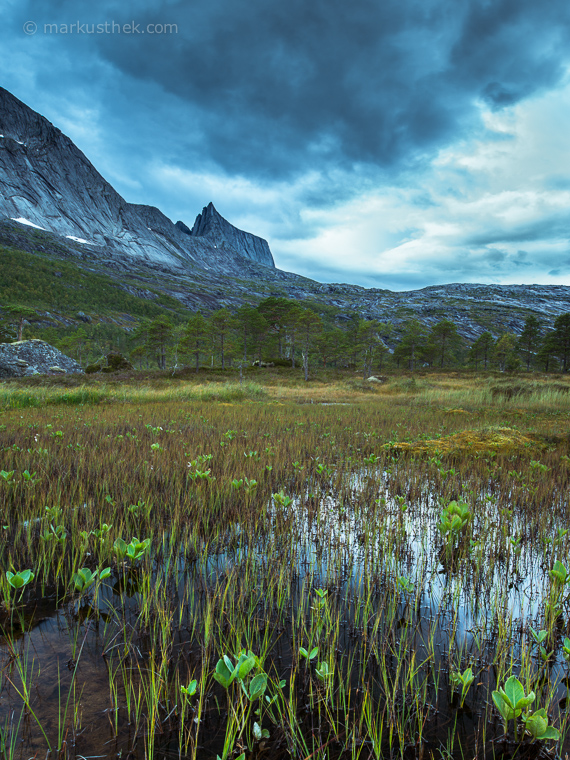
(193,339)
(561,339)
(445,339)
(482,350)
(159,336)
(19,314)
(415,336)
(529,340)
(310,326)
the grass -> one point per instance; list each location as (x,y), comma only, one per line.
(300,527)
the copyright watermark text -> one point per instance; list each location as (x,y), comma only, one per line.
(107,27)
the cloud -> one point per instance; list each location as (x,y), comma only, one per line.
(400,142)
(273,87)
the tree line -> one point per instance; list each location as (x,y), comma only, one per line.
(287,333)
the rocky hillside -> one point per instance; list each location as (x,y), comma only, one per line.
(45,180)
(61,278)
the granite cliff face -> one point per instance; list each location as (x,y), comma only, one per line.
(46,180)
(213,227)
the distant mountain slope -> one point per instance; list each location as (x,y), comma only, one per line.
(68,278)
(46,180)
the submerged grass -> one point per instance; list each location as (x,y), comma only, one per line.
(293,538)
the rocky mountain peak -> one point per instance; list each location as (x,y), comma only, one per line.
(210,224)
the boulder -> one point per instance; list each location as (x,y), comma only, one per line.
(34,357)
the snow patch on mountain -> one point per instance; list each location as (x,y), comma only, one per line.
(78,239)
(27,221)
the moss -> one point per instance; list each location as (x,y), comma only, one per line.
(504,440)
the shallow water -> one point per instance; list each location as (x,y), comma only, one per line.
(409,611)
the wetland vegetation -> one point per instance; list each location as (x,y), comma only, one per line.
(281,569)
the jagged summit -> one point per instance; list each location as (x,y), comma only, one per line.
(46,181)
(212,225)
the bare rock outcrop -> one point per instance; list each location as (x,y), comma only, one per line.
(213,227)
(47,182)
(34,357)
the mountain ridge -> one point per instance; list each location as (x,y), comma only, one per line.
(45,179)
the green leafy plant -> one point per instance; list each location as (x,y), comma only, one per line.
(102,532)
(132,551)
(462,681)
(191,689)
(20,579)
(17,582)
(226,672)
(560,578)
(323,671)
(405,584)
(251,690)
(536,724)
(53,513)
(281,500)
(454,519)
(260,733)
(559,574)
(84,578)
(511,700)
(308,655)
(54,533)
(29,477)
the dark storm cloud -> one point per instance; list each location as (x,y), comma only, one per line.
(286,83)
(545,228)
(278,87)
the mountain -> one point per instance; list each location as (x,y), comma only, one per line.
(209,224)
(47,181)
(71,245)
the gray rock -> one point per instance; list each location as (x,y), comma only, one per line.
(83,317)
(183,228)
(33,357)
(45,179)
(211,225)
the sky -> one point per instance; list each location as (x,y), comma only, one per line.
(386,143)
